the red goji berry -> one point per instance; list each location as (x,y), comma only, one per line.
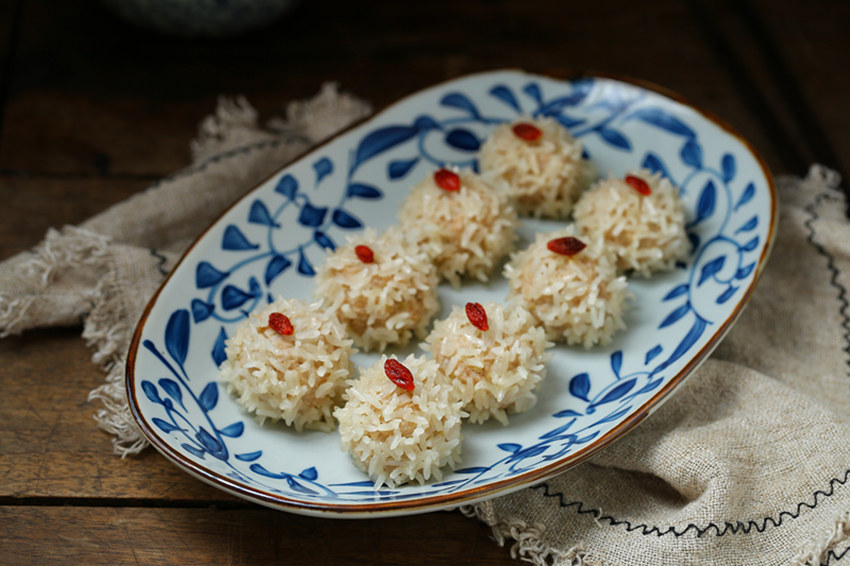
(364,253)
(281,324)
(526,131)
(566,246)
(638,184)
(477,316)
(447,180)
(398,374)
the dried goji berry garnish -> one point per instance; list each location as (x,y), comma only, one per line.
(281,324)
(528,132)
(477,316)
(399,374)
(447,180)
(364,253)
(638,184)
(566,246)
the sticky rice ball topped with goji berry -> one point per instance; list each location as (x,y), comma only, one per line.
(495,356)
(538,165)
(640,217)
(382,288)
(401,421)
(289,361)
(466,226)
(571,286)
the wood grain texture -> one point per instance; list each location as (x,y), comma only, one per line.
(722,26)
(32,205)
(812,45)
(50,445)
(181,537)
(95,110)
(10,14)
(98,97)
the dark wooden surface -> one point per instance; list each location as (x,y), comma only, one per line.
(93,110)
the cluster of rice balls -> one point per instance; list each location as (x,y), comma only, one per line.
(401,420)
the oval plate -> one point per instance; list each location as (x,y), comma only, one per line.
(270,241)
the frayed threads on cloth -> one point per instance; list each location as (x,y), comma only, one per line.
(235,122)
(233,125)
(815,552)
(529,546)
(60,249)
(81,275)
(323,115)
(13,314)
(821,177)
(68,247)
(108,329)
(115,416)
(818,179)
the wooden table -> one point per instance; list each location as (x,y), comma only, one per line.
(94,110)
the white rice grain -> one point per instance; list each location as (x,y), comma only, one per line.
(467,232)
(542,178)
(578,299)
(298,378)
(497,371)
(384,302)
(646,232)
(398,436)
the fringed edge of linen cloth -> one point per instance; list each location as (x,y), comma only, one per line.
(68,247)
(110,339)
(108,327)
(12,314)
(234,124)
(528,545)
(815,553)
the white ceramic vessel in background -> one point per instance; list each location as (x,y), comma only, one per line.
(200,18)
(269,242)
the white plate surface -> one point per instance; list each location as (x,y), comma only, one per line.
(270,242)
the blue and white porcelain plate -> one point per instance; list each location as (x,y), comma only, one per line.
(271,241)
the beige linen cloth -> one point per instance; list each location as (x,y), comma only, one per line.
(748,463)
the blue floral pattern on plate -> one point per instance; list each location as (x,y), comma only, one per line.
(270,242)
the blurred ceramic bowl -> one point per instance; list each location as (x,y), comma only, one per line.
(200,18)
